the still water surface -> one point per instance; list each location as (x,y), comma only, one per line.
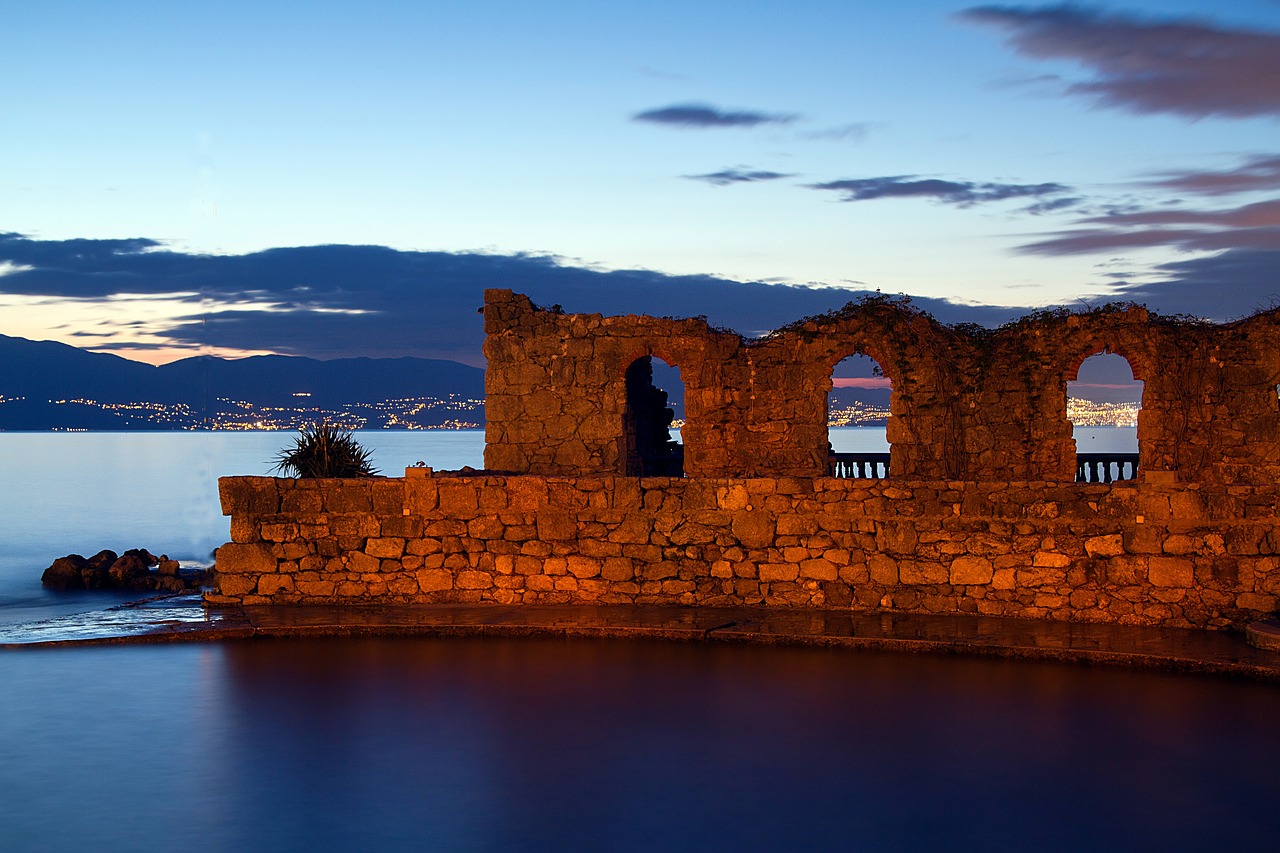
(389,744)
(422,744)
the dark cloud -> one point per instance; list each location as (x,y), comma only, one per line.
(1261,214)
(1229,285)
(1255,174)
(705,115)
(960,193)
(344,301)
(1188,67)
(725,177)
(1250,226)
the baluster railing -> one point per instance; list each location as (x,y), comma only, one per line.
(1106,467)
(866,466)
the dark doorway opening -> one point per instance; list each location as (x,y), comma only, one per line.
(651,451)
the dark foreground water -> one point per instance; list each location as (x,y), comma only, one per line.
(409,744)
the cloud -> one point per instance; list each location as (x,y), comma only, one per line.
(960,193)
(1228,285)
(1189,67)
(347,301)
(1250,226)
(705,116)
(1261,172)
(854,132)
(740,175)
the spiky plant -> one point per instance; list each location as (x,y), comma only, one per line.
(324,450)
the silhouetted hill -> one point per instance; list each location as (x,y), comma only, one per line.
(44,372)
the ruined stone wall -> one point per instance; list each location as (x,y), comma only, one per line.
(1180,555)
(969,404)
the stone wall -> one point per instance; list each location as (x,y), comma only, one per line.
(967,403)
(1197,555)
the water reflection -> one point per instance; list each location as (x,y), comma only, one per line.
(389,743)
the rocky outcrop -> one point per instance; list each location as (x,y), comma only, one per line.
(131,570)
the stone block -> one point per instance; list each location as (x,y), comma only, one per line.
(402,526)
(347,497)
(275,584)
(236,585)
(421,496)
(556,526)
(971,570)
(362,563)
(754,529)
(246,558)
(386,548)
(583,567)
(771,572)
(1109,545)
(896,537)
(458,498)
(473,580)
(1050,560)
(1256,602)
(251,496)
(733,498)
(618,569)
(245,529)
(315,588)
(435,580)
(1171,571)
(884,569)
(921,572)
(486,527)
(818,569)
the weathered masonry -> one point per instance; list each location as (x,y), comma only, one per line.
(968,404)
(980,513)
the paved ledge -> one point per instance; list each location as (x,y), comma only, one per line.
(182,618)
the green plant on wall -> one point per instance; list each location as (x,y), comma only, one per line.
(324,450)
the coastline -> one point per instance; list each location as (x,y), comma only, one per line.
(181,618)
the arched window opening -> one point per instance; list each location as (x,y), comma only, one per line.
(651,448)
(858,418)
(1103,404)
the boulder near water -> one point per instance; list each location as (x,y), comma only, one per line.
(66,572)
(130,570)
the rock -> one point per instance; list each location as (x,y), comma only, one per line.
(124,570)
(95,576)
(130,570)
(169,583)
(65,572)
(195,578)
(103,559)
(148,559)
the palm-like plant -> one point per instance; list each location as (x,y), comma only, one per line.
(324,450)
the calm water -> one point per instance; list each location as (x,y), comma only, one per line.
(390,744)
(401,744)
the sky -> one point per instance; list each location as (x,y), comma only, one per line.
(330,180)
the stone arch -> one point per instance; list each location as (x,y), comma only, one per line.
(647,448)
(1117,456)
(858,459)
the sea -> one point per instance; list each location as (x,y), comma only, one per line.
(562,744)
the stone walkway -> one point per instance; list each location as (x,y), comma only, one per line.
(183,618)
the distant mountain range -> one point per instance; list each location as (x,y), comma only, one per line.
(48,385)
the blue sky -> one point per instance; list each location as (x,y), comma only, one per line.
(165,165)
